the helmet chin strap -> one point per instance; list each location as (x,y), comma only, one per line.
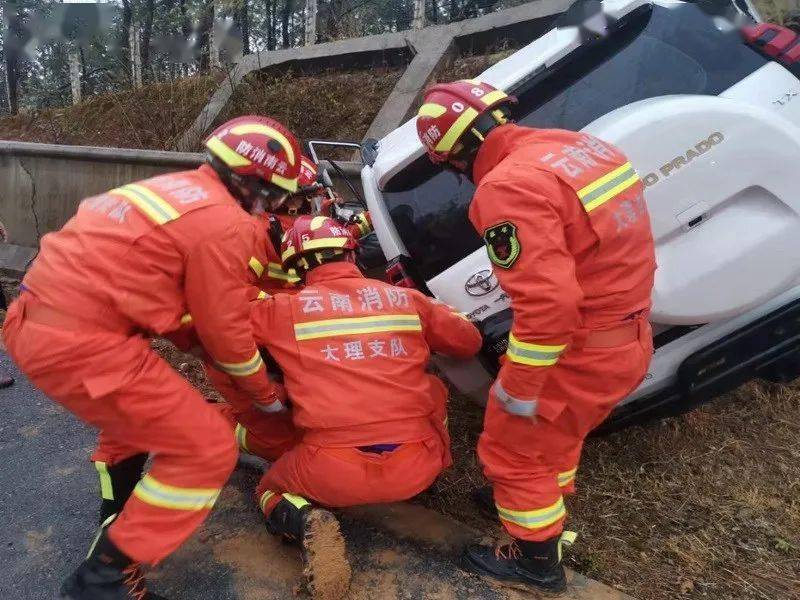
(475,136)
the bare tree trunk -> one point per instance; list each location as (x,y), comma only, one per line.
(136,55)
(435,11)
(74,59)
(214,46)
(204,36)
(147,32)
(12,41)
(419,14)
(125,45)
(311,22)
(244,25)
(288,8)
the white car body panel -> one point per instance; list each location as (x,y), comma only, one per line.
(726,257)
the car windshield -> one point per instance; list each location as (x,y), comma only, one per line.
(657,52)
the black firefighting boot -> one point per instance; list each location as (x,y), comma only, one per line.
(107,574)
(521,564)
(117,483)
(483,498)
(317,532)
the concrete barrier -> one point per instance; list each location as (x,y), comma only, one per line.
(42,184)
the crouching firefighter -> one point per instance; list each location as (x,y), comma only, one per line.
(353,353)
(131,263)
(567,231)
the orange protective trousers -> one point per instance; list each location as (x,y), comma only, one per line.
(533,463)
(331,476)
(149,409)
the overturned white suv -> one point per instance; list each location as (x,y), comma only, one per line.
(712,126)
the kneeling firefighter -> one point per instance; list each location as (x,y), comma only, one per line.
(353,352)
(128,265)
(567,231)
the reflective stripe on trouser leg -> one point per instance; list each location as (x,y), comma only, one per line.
(117,482)
(241,438)
(567,478)
(106,489)
(270,499)
(535,518)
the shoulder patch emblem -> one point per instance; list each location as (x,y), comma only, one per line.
(503,244)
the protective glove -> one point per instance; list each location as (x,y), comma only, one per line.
(276,401)
(775,41)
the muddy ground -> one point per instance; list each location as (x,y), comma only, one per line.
(706,505)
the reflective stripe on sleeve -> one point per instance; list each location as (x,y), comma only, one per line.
(534,519)
(106,487)
(256,266)
(512,405)
(275,271)
(242,369)
(607,187)
(156,493)
(537,355)
(356,325)
(262,295)
(153,206)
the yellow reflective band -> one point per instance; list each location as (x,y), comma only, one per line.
(537,355)
(317,222)
(186,319)
(473,81)
(262,295)
(243,369)
(457,130)
(566,477)
(324,243)
(225,153)
(294,500)
(534,519)
(256,266)
(155,493)
(275,271)
(246,128)
(608,186)
(290,185)
(493,97)
(355,326)
(241,438)
(106,487)
(265,497)
(152,206)
(431,109)
(287,253)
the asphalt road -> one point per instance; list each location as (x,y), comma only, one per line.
(48,511)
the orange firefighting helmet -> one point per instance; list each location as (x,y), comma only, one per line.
(318,237)
(451,110)
(260,147)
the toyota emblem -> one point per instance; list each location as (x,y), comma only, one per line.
(481,283)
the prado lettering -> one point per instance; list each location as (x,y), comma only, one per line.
(684,159)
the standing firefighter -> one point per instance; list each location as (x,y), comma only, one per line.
(353,352)
(130,263)
(567,231)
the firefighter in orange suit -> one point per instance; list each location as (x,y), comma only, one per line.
(130,263)
(353,352)
(567,230)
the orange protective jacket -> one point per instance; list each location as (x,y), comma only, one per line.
(354,353)
(566,227)
(143,255)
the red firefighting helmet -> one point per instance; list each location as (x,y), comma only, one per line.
(308,173)
(260,147)
(451,109)
(314,236)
